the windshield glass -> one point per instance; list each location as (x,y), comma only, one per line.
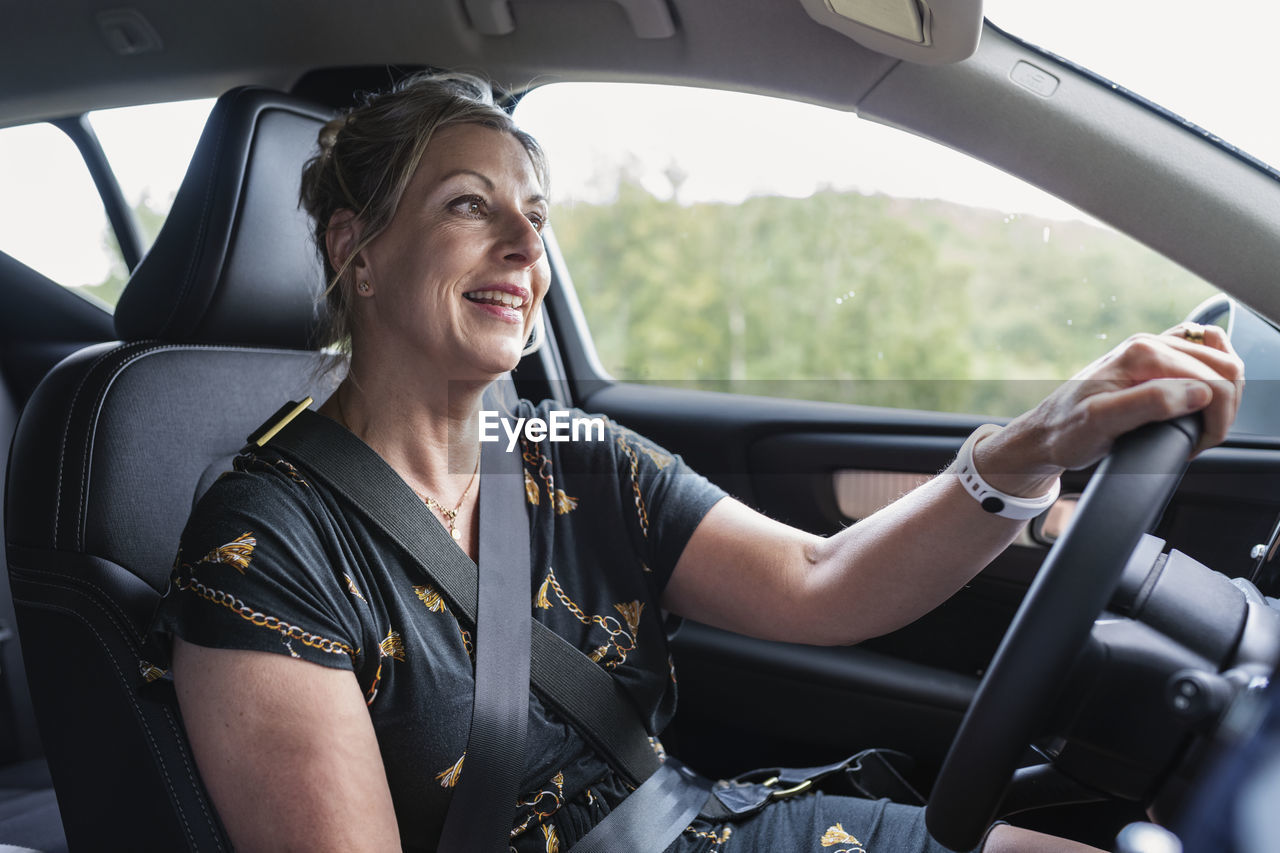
(1210,63)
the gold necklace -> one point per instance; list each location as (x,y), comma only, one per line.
(450,514)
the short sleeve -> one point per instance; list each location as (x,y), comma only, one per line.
(669,500)
(260,569)
(659,499)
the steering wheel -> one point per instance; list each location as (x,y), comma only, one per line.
(1125,496)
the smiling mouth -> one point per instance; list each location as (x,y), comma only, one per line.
(496,297)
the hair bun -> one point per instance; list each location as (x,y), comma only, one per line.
(328,136)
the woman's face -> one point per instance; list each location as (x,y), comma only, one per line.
(457,277)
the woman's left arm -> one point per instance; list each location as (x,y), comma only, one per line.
(750,574)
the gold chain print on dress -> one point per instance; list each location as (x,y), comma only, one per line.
(641,512)
(238,555)
(560,502)
(542,806)
(717,838)
(836,835)
(434,601)
(631,445)
(662,460)
(621,641)
(390,647)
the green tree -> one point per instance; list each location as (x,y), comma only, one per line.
(862,299)
(149,217)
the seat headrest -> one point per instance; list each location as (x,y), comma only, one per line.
(235,262)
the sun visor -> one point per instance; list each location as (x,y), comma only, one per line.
(936,32)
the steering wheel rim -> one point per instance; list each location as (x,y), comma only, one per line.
(1124,498)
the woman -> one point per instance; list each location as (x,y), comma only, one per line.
(429,205)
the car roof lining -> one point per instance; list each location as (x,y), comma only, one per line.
(1110,157)
(1081,143)
(777,47)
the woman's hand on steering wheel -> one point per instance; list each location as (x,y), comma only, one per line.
(1188,368)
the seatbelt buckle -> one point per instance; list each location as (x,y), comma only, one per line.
(777,792)
(736,799)
(750,792)
(873,773)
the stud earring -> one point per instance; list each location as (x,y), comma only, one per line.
(363,287)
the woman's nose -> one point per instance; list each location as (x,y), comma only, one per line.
(523,242)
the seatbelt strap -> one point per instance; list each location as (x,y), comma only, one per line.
(496,596)
(652,816)
(566,679)
(484,801)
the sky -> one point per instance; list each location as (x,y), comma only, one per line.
(1211,62)
(1162,50)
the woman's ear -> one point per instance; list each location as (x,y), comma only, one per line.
(341,236)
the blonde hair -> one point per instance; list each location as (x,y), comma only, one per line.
(368,155)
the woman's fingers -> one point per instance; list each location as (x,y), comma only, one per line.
(1188,368)
(1114,413)
(1146,378)
(1210,346)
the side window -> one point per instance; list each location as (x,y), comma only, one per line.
(149,148)
(54,220)
(768,247)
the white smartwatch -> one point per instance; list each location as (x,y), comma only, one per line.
(989,497)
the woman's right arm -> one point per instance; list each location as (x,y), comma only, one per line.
(286,749)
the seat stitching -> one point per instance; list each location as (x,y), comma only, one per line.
(95,410)
(130,358)
(215,162)
(83,498)
(133,699)
(137,709)
(124,621)
(191,774)
(66,438)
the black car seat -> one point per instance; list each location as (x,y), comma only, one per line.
(216,327)
(40,323)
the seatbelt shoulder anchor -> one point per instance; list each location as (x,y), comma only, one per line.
(286,413)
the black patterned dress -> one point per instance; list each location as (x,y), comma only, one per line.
(272,562)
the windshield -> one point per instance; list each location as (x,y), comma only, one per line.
(1210,63)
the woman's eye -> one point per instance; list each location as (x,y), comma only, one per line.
(539,221)
(470,205)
